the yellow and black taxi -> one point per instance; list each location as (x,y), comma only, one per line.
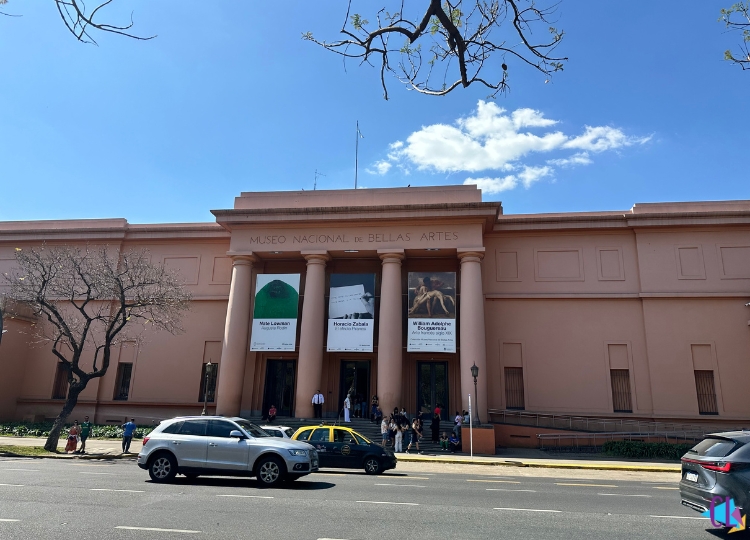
(343,448)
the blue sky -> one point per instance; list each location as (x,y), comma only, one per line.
(229,98)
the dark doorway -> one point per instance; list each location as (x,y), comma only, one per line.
(432,387)
(279,388)
(355,379)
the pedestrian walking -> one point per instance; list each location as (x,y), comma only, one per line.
(127,435)
(85,432)
(435,427)
(272,413)
(317,402)
(384,429)
(75,431)
(347,406)
(415,434)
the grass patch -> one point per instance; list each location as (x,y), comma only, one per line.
(645,450)
(25,451)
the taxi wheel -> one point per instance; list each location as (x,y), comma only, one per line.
(372,466)
(163,467)
(270,471)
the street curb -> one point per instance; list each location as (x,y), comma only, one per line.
(552,465)
(100,457)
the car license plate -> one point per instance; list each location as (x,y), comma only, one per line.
(691,476)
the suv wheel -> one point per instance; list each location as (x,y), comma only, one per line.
(372,465)
(270,471)
(163,468)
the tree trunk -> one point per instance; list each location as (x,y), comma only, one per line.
(59,424)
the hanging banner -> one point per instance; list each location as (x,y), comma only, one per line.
(351,313)
(275,312)
(431,312)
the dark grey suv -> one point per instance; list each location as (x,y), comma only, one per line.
(718,466)
(219,446)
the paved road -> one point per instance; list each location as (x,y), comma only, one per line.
(52,499)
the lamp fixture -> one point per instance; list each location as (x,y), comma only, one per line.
(276,252)
(351,251)
(432,249)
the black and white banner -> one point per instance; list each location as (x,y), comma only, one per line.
(351,313)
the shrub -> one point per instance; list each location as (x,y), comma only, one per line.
(28,429)
(645,450)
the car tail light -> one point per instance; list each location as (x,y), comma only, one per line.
(145,440)
(720,466)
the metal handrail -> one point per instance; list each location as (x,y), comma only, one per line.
(598,424)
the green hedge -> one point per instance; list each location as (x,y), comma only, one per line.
(28,429)
(644,450)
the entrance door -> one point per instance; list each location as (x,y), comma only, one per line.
(279,388)
(432,387)
(355,380)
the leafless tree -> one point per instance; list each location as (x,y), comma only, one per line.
(737,17)
(465,42)
(88,301)
(82,20)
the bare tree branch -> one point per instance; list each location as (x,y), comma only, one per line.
(92,299)
(737,18)
(474,39)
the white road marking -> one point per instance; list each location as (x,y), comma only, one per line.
(12,485)
(585,485)
(247,496)
(401,485)
(497,481)
(404,477)
(530,510)
(503,489)
(677,517)
(388,502)
(27,470)
(5,520)
(156,529)
(621,495)
(675,488)
(87,472)
(119,490)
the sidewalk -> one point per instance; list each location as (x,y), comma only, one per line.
(95,448)
(509,457)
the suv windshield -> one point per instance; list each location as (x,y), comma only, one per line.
(251,429)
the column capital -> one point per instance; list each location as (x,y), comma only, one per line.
(240,258)
(316,257)
(470,254)
(391,255)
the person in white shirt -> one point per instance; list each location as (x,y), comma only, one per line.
(347,406)
(384,428)
(317,402)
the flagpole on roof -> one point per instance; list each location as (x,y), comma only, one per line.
(356,155)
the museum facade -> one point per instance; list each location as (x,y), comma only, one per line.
(400,292)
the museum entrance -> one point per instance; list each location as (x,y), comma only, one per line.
(279,387)
(432,388)
(355,380)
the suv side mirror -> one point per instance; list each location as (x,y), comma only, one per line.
(236,433)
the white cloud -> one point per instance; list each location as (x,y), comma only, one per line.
(492,139)
(581,158)
(380,167)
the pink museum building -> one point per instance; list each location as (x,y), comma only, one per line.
(637,313)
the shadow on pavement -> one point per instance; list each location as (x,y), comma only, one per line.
(303,484)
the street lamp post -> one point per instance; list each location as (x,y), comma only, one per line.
(209,366)
(475,374)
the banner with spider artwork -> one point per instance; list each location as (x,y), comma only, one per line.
(431,312)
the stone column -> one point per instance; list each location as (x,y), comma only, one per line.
(310,362)
(236,331)
(471,335)
(390,331)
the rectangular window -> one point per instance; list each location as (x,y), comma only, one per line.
(621,390)
(704,386)
(514,388)
(209,395)
(122,383)
(60,389)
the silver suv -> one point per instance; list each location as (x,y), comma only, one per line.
(220,446)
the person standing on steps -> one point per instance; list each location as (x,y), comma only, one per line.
(435,426)
(347,406)
(317,402)
(127,435)
(415,434)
